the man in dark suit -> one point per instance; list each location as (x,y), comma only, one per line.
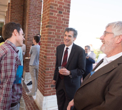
(102,89)
(68,79)
(90,60)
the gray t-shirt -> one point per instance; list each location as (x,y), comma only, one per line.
(34,52)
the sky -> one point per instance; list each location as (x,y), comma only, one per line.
(90,17)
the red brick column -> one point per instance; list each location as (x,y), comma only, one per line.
(7,17)
(32,21)
(55,20)
(28,14)
(16,11)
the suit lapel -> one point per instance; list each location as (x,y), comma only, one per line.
(102,71)
(98,64)
(61,53)
(71,54)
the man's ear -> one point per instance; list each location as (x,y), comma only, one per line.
(119,39)
(15,32)
(74,38)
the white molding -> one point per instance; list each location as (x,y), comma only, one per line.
(46,102)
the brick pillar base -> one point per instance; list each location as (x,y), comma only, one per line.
(46,102)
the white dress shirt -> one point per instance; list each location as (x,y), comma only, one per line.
(107,60)
(69,51)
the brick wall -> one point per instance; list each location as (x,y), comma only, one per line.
(54,21)
(7,17)
(28,14)
(32,20)
(25,21)
(16,11)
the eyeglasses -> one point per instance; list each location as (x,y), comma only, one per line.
(105,32)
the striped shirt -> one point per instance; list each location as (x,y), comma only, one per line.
(9,61)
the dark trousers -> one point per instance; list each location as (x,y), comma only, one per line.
(62,98)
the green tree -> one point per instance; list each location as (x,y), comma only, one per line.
(97,52)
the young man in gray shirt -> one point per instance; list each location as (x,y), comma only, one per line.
(34,64)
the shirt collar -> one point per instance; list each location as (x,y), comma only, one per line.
(112,58)
(12,45)
(89,52)
(69,48)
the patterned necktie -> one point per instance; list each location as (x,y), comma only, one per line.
(65,58)
(64,63)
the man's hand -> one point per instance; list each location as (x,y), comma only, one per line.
(71,103)
(53,82)
(64,72)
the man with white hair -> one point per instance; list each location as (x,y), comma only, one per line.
(102,88)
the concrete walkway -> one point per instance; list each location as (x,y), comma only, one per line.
(30,100)
(22,104)
(27,78)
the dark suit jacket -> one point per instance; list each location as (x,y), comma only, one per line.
(89,66)
(103,90)
(76,65)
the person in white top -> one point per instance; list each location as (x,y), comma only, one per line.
(102,89)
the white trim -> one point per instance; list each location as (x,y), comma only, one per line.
(46,102)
